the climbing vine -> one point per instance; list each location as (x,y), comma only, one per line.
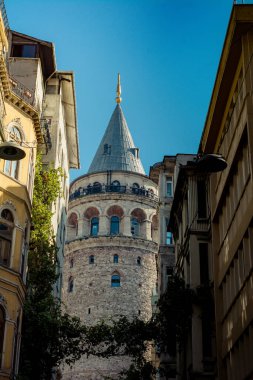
(49,336)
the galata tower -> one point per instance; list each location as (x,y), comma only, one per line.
(110,254)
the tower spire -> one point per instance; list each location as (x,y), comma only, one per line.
(118,91)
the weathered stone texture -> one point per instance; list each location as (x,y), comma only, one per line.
(92,297)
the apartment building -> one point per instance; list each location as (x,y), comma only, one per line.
(228,131)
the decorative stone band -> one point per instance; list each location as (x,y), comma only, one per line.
(109,241)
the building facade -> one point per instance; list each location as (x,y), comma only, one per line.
(110,254)
(34,117)
(228,131)
(32,71)
(191,225)
(19,124)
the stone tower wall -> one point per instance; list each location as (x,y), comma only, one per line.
(91,296)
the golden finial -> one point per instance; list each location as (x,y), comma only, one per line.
(118,91)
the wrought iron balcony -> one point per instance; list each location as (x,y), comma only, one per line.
(102,189)
(22,91)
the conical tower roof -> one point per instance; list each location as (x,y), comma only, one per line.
(117,150)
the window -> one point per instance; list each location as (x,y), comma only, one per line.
(2,328)
(115,186)
(169,271)
(169,187)
(70,284)
(91,259)
(96,187)
(71,263)
(138,260)
(107,149)
(12,167)
(94,224)
(6,230)
(26,51)
(116,259)
(115,281)
(135,227)
(201,193)
(24,252)
(169,238)
(203,263)
(114,225)
(135,188)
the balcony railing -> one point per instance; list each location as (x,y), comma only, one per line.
(102,189)
(22,91)
(4,15)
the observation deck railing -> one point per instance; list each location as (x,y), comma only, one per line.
(102,189)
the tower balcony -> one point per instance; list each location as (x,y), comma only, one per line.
(103,189)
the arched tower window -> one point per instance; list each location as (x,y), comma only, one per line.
(154,228)
(72,225)
(138,217)
(70,284)
(114,228)
(115,186)
(12,167)
(115,281)
(91,259)
(97,187)
(2,328)
(94,225)
(91,221)
(135,188)
(135,227)
(6,232)
(138,260)
(116,259)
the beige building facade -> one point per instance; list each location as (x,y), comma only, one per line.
(32,72)
(19,124)
(33,118)
(228,131)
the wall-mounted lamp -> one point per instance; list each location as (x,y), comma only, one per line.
(11,151)
(209,163)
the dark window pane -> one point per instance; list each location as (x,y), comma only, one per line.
(2,326)
(115,281)
(94,226)
(26,51)
(202,205)
(114,225)
(203,263)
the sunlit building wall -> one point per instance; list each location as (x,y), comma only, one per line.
(19,123)
(228,131)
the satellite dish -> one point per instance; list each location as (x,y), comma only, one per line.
(11,151)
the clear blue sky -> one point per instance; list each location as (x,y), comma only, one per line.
(167,52)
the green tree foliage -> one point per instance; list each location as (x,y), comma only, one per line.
(123,337)
(49,337)
(175,311)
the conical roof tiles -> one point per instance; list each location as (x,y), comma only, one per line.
(116,150)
